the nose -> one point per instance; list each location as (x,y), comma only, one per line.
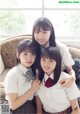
(40,36)
(46,63)
(29,58)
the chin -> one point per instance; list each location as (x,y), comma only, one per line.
(27,66)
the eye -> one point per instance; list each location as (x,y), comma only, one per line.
(51,60)
(44,32)
(25,53)
(43,59)
(33,54)
(36,32)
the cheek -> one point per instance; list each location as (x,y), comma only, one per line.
(47,38)
(54,65)
(34,59)
(35,36)
(48,35)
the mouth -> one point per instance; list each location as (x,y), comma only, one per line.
(29,62)
(46,68)
(41,41)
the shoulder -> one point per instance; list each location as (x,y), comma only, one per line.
(13,70)
(12,73)
(62,47)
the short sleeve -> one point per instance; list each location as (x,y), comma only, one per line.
(11,83)
(65,54)
(73,92)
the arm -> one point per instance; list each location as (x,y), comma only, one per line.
(67,64)
(70,71)
(75,106)
(68,81)
(38,105)
(15,101)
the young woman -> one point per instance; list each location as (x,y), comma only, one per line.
(20,83)
(55,98)
(43,36)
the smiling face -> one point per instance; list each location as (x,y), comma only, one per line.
(26,53)
(26,58)
(51,62)
(42,36)
(48,65)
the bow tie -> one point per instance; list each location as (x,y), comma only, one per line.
(49,82)
(29,75)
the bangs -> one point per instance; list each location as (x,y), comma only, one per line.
(48,55)
(42,25)
(29,50)
(26,46)
(51,53)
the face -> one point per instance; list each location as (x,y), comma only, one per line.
(26,58)
(48,65)
(42,37)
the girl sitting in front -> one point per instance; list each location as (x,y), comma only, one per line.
(55,98)
(20,83)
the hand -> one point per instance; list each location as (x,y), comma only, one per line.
(36,84)
(67,82)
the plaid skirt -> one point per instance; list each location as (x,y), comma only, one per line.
(28,108)
(76,68)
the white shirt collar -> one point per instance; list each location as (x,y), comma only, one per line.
(47,76)
(22,68)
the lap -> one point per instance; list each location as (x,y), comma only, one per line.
(27,108)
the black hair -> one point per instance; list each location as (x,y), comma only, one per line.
(28,45)
(45,24)
(53,53)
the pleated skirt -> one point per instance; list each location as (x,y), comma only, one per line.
(28,108)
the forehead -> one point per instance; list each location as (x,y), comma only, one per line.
(29,50)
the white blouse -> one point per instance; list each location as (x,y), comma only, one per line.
(56,99)
(16,82)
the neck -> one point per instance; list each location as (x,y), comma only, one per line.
(49,73)
(45,45)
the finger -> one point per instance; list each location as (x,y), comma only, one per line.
(39,81)
(63,80)
(66,84)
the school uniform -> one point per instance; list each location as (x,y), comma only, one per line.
(17,81)
(56,99)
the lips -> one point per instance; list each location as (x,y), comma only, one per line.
(46,68)
(41,41)
(29,62)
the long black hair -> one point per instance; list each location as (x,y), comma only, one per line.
(44,24)
(53,53)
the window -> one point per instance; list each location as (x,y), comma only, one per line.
(17,17)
